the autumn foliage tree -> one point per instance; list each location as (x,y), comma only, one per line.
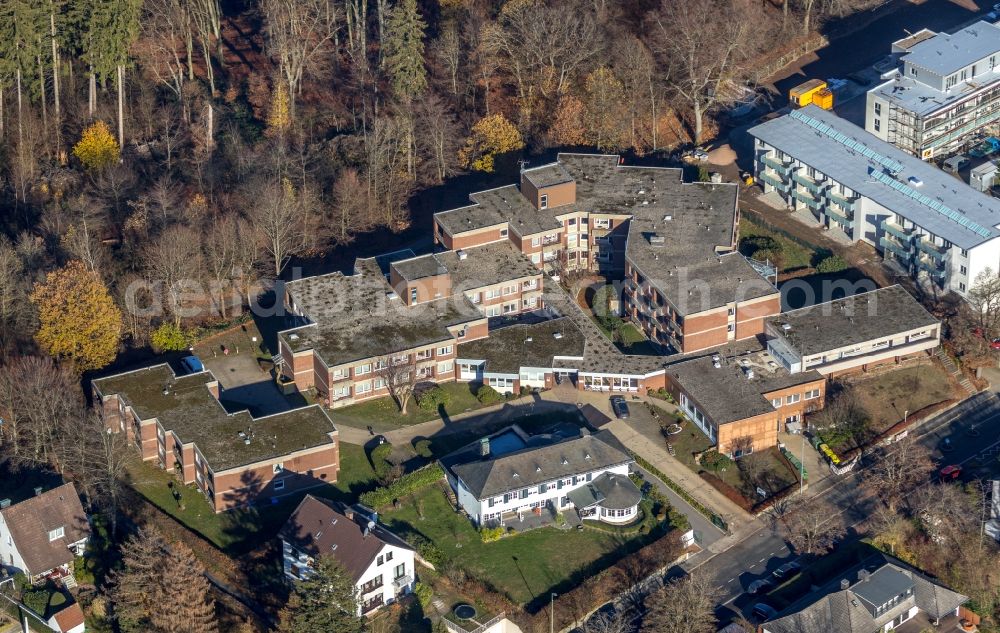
(155,574)
(97,148)
(490,136)
(78,319)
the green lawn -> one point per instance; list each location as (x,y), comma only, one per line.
(383,414)
(524,566)
(241,530)
(793,254)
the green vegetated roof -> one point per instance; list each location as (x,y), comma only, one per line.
(185,406)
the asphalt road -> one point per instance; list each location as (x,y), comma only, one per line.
(764,550)
(972,430)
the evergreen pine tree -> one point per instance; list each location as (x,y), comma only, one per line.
(326,601)
(404,51)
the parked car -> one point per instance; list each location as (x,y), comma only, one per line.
(786,570)
(995,343)
(759,586)
(763,611)
(191,365)
(700,155)
(950,472)
(620,407)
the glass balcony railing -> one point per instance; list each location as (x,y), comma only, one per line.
(840,218)
(931,266)
(808,183)
(895,248)
(808,200)
(937,252)
(904,235)
(842,202)
(777,183)
(777,165)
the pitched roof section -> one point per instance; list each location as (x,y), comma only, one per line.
(852,320)
(31,521)
(847,154)
(831,608)
(322,527)
(487,477)
(608,490)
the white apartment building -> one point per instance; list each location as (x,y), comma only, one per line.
(930,225)
(380,563)
(510,474)
(946,91)
(858,331)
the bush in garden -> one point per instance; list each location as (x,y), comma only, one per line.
(488,395)
(433,399)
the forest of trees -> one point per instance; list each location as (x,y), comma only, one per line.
(216,141)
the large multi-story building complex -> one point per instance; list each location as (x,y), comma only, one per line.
(934,227)
(856,332)
(415,314)
(946,91)
(674,243)
(179,424)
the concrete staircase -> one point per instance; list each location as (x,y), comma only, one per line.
(952,369)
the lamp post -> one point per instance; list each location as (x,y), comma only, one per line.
(552,613)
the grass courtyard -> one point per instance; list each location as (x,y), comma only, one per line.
(525,566)
(887,397)
(241,530)
(793,256)
(382,414)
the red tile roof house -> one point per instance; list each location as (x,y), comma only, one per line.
(380,563)
(234,459)
(69,620)
(41,536)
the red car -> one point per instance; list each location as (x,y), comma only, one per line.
(950,472)
(995,343)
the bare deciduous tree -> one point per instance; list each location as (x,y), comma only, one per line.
(275,216)
(605,622)
(898,469)
(683,605)
(812,527)
(399,373)
(173,261)
(299,36)
(708,44)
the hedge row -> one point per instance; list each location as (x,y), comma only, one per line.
(405,485)
(711,516)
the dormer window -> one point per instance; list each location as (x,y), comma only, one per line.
(543,201)
(57,533)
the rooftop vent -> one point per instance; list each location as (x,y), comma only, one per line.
(538,469)
(657,240)
(516,476)
(914,181)
(333,547)
(246,441)
(564,463)
(641,191)
(528,339)
(462,255)
(668,218)
(586,456)
(391,296)
(786,326)
(557,335)
(293,337)
(749,372)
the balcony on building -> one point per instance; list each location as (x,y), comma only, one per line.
(933,267)
(898,232)
(777,183)
(777,165)
(808,200)
(811,184)
(848,205)
(898,249)
(843,219)
(937,252)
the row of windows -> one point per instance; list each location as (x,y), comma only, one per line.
(793,398)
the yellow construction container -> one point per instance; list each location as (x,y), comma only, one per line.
(804,94)
(823,98)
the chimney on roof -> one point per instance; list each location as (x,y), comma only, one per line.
(39,490)
(584,432)
(484,447)
(845,584)
(863,575)
(349,513)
